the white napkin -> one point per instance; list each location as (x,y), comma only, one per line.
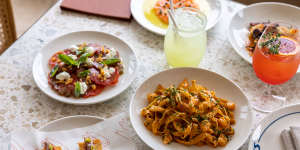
(115,134)
(287,140)
(4,141)
(295,133)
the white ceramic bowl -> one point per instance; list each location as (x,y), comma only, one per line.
(224,88)
(266,136)
(259,12)
(214,14)
(40,68)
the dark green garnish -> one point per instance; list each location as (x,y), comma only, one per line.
(54,71)
(273,43)
(82,59)
(84,73)
(111,61)
(77,89)
(201,118)
(67,59)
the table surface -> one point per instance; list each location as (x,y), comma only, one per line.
(24,105)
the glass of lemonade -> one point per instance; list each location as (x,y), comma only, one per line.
(185,44)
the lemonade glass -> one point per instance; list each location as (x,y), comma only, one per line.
(276,60)
(185,44)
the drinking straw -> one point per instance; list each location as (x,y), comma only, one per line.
(171,13)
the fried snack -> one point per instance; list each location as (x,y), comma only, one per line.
(190,115)
(49,146)
(90,144)
(257,29)
(162,6)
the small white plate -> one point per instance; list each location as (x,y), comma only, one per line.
(72,122)
(266,136)
(214,13)
(259,12)
(224,88)
(40,68)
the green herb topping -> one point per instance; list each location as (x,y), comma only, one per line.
(84,73)
(111,61)
(82,59)
(67,59)
(54,71)
(77,89)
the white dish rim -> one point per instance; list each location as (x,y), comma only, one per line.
(162,32)
(84,101)
(156,74)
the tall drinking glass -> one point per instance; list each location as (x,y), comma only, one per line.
(276,60)
(185,44)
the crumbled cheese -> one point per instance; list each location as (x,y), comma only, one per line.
(74,48)
(112,70)
(90,61)
(74,57)
(111,54)
(106,72)
(83,87)
(63,76)
(90,50)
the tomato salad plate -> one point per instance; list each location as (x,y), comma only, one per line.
(248,24)
(152,14)
(85,67)
(194,110)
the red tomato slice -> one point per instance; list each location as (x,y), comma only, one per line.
(53,60)
(92,92)
(112,80)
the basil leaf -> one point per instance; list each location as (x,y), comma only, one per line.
(111,61)
(84,73)
(82,58)
(54,71)
(77,89)
(79,52)
(67,59)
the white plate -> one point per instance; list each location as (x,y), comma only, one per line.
(259,12)
(40,66)
(217,8)
(266,136)
(71,122)
(224,88)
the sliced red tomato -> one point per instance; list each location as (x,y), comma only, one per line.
(54,59)
(112,80)
(95,92)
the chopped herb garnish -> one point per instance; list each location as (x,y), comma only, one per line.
(67,59)
(273,44)
(201,118)
(77,89)
(54,71)
(84,73)
(111,61)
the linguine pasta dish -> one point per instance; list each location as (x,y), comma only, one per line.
(189,114)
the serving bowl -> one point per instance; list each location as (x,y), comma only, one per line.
(214,14)
(223,87)
(258,12)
